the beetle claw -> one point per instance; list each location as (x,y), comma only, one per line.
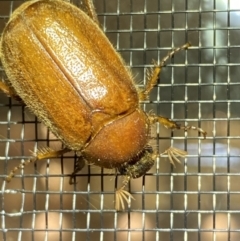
(170,124)
(72,180)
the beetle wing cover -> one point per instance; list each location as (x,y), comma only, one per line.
(65,69)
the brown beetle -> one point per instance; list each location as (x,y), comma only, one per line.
(62,66)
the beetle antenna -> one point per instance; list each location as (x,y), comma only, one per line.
(122,196)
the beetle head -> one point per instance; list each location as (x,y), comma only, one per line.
(141,164)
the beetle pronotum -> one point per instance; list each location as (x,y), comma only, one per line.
(61,65)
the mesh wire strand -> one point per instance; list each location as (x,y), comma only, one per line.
(197,200)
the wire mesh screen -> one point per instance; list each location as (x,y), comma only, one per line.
(196,200)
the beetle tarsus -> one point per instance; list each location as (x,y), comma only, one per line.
(169,124)
(200,130)
(20,166)
(153,73)
(40,154)
(173,52)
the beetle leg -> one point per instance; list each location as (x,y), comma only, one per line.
(169,124)
(44,153)
(79,166)
(9,91)
(153,73)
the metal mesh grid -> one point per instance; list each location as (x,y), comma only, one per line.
(197,200)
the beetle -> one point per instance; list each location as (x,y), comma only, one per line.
(61,65)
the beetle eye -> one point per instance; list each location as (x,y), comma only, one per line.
(149,149)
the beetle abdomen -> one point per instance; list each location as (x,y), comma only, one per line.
(55,56)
